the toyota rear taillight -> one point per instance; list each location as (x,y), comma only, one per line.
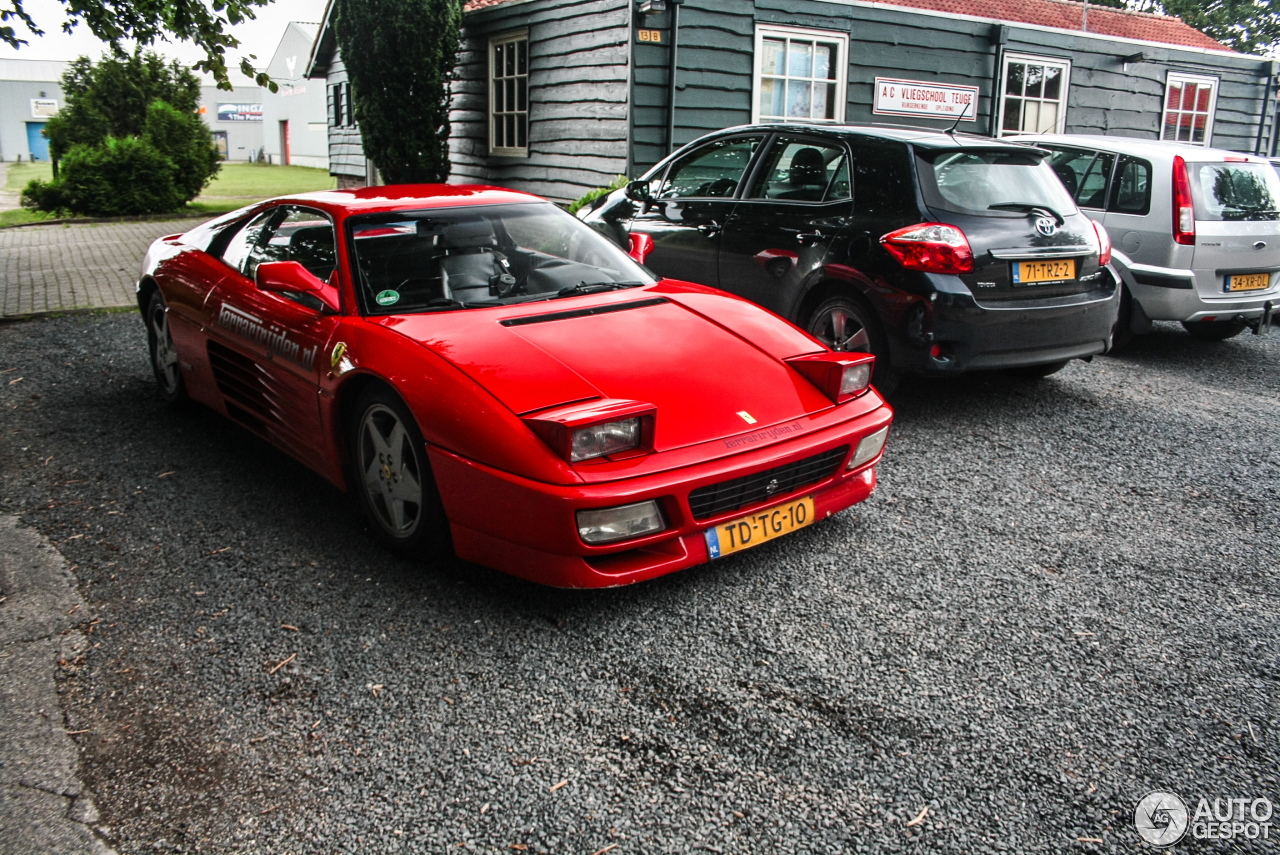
(930,247)
(1104,242)
(1184,212)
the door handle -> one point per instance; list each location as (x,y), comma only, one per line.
(710,228)
(809,237)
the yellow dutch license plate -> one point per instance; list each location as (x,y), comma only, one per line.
(1248,281)
(759,527)
(1032,272)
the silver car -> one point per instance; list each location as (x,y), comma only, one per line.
(1196,230)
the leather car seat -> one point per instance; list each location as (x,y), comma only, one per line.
(471,263)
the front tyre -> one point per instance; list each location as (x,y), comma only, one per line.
(391,477)
(164,356)
(1214,330)
(846,325)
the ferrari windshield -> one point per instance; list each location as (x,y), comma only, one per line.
(485,255)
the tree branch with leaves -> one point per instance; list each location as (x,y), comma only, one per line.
(145,22)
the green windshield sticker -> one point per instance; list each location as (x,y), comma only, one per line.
(388,298)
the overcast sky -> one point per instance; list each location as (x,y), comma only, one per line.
(259,36)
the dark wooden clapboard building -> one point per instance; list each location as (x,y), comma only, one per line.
(559,96)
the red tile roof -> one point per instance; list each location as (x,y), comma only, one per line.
(1069,16)
(1059,14)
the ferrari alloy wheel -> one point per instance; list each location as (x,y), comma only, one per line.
(843,324)
(164,356)
(392,477)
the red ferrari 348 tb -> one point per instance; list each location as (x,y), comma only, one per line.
(487,373)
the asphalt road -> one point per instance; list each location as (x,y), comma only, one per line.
(1062,596)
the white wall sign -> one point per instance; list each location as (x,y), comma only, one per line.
(239,112)
(43,108)
(917,98)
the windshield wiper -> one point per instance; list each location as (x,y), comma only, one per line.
(444,303)
(1025,208)
(595,288)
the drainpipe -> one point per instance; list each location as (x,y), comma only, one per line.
(671,74)
(1268,106)
(999,38)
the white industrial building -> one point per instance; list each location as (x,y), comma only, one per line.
(294,128)
(30,93)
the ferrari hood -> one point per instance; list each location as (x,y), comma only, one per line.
(706,382)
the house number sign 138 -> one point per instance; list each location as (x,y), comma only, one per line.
(650,35)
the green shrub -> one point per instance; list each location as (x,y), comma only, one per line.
(185,139)
(118,177)
(591,195)
(44,196)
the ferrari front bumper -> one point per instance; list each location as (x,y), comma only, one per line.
(528,529)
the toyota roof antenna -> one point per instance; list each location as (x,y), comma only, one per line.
(952,130)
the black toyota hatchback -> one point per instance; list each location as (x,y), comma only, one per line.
(937,253)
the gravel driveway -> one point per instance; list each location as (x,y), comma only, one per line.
(1062,596)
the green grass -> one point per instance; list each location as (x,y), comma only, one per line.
(20,174)
(23,215)
(259,181)
(236,185)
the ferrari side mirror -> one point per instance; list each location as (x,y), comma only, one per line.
(292,277)
(641,246)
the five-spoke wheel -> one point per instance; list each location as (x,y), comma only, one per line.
(392,477)
(164,356)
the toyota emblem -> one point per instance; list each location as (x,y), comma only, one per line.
(1046,226)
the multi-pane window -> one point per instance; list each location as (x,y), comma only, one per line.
(509,95)
(339,112)
(800,75)
(1188,109)
(1033,95)
(342,109)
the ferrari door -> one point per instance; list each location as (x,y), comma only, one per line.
(780,232)
(692,201)
(267,350)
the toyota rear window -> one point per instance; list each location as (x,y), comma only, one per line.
(990,183)
(1235,191)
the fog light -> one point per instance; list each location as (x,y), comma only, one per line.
(609,525)
(869,447)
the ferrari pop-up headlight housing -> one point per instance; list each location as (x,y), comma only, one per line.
(841,376)
(595,429)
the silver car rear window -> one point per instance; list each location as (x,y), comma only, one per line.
(1235,191)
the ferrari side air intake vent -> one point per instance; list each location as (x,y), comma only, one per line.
(241,384)
(716,499)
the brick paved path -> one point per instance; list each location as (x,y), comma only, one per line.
(88,266)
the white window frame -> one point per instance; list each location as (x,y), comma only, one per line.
(1177,77)
(841,42)
(497,41)
(1064,92)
